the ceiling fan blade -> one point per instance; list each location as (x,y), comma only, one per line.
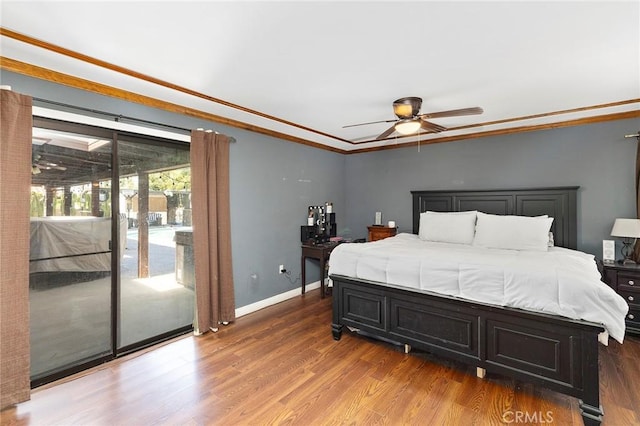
(371,122)
(453,113)
(430,127)
(386,133)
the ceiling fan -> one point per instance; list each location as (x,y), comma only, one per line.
(410,120)
(39,164)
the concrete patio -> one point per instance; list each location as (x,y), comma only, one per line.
(71,313)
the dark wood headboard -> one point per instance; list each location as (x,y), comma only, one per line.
(559,203)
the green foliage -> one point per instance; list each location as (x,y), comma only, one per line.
(178,179)
(37,202)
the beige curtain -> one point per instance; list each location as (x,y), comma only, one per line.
(15,175)
(215,302)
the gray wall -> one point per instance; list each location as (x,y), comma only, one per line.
(595,157)
(272,184)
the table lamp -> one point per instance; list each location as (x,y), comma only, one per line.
(628,230)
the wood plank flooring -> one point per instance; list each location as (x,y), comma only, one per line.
(282,366)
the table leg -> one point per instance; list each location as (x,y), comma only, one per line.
(304,278)
(322,265)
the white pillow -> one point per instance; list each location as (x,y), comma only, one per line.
(450,227)
(512,232)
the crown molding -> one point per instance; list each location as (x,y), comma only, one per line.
(509,131)
(114,92)
(102,89)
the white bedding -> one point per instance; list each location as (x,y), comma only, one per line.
(558,281)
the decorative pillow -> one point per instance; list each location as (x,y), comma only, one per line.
(512,232)
(450,227)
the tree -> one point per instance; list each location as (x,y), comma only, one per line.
(171,180)
(175,184)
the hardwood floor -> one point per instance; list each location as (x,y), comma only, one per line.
(282,366)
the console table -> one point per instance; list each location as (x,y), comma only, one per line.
(318,252)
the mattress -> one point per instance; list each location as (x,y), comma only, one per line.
(558,281)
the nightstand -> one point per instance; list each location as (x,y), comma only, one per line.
(625,280)
(379,232)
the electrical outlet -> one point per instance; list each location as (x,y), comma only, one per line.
(281,269)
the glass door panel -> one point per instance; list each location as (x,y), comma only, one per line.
(70,251)
(156,280)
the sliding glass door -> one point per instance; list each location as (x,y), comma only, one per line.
(156,279)
(111,266)
(70,260)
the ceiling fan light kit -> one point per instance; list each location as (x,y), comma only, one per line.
(407,126)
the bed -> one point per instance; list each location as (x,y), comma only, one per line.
(540,347)
(73,243)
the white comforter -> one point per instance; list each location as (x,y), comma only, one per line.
(559,281)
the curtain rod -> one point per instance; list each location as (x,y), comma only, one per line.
(117,117)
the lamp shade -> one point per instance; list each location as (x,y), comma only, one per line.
(407,127)
(629,228)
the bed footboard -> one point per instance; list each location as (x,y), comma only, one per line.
(555,352)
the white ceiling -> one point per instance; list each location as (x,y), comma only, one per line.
(323,65)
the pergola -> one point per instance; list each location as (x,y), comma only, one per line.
(57,167)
